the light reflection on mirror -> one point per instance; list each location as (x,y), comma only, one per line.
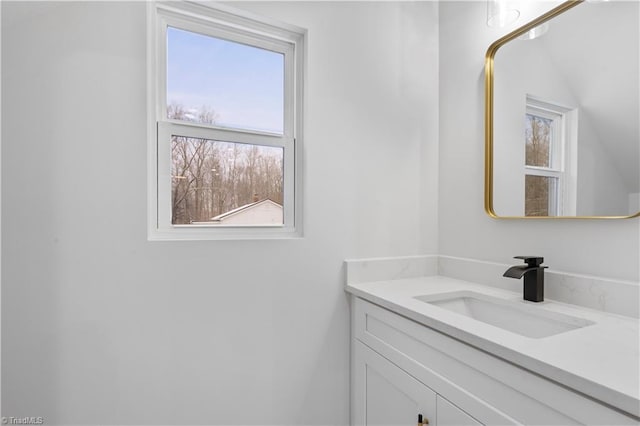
(566,108)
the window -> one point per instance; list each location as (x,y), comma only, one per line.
(226,123)
(549,146)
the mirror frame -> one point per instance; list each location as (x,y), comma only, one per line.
(488,117)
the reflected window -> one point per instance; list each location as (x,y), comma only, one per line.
(548,188)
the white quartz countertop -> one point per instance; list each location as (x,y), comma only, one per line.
(601,360)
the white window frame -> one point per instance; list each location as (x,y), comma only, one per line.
(563,154)
(237,26)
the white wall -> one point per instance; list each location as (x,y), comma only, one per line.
(601,187)
(608,248)
(100,326)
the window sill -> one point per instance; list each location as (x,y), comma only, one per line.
(226,233)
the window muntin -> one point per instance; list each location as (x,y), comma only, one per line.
(173,121)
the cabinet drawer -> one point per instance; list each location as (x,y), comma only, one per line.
(493,391)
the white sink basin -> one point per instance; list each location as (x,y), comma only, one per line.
(512,315)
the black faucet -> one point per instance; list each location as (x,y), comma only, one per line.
(533,277)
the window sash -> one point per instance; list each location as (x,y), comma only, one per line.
(167,19)
(556,114)
(554,201)
(167,130)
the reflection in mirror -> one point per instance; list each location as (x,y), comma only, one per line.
(563,133)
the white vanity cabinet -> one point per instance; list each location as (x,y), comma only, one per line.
(450,415)
(401,368)
(387,395)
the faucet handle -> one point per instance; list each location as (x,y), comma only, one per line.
(531,260)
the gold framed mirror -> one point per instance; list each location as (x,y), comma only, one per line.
(562,115)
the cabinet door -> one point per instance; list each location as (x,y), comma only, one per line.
(383,394)
(450,415)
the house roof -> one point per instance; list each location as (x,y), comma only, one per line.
(242,208)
